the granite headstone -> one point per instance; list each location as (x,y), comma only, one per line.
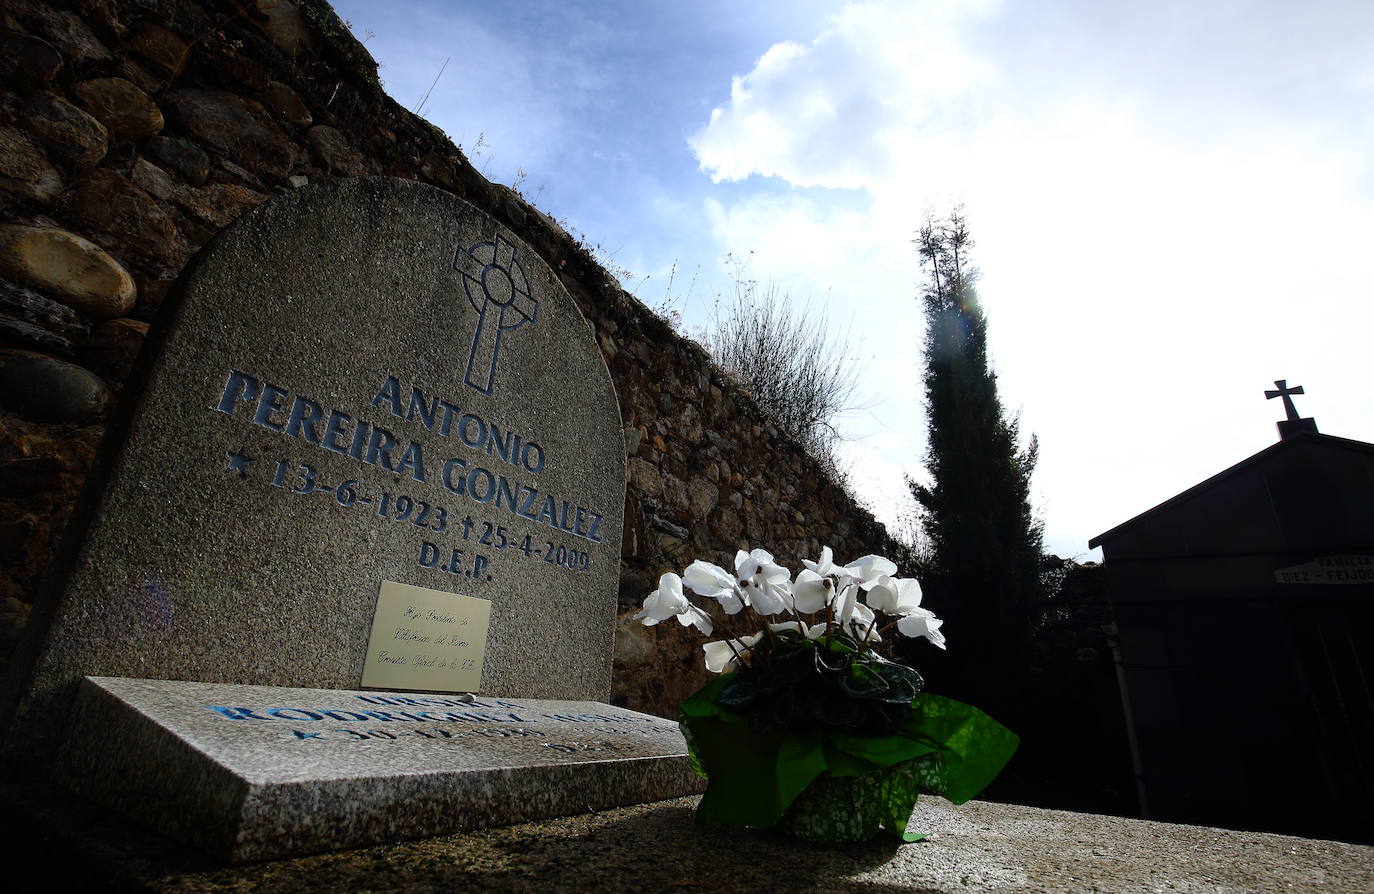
(366,381)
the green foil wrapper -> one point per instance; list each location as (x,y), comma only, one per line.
(826,785)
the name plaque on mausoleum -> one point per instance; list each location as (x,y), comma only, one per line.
(1329,570)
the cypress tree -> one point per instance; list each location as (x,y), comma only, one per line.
(982,541)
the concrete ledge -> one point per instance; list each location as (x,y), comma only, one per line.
(979,847)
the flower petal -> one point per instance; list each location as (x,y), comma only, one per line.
(825,565)
(703,578)
(845,602)
(695,617)
(870,567)
(922,622)
(811,592)
(665,602)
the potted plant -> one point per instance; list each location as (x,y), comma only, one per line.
(808,727)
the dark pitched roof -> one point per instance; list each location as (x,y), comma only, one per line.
(1295,442)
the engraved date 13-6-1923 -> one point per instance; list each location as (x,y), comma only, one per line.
(302,479)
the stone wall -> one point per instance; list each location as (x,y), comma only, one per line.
(130,132)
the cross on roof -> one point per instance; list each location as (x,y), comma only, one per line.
(1294,424)
(1287,394)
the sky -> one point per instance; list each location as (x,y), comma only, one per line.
(1172,202)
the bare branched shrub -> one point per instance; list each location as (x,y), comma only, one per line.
(799,368)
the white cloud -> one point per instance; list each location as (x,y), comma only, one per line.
(1163,230)
(827,114)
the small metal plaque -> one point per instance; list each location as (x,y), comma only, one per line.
(426,640)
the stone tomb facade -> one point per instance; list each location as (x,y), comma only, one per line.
(1244,607)
(365,381)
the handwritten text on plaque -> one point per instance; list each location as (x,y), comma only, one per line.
(426,640)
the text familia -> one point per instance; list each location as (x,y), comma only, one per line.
(298,416)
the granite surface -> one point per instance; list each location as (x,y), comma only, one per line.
(365,380)
(246,773)
(977,848)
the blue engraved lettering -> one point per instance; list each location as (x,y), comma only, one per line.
(429,557)
(502,445)
(269,403)
(379,715)
(449,466)
(505,494)
(236,713)
(464,425)
(239,386)
(526,509)
(472,487)
(344,715)
(581,518)
(449,412)
(414,461)
(596,523)
(355,449)
(537,466)
(426,411)
(479,564)
(389,393)
(280,714)
(563,522)
(550,512)
(305,415)
(379,449)
(335,429)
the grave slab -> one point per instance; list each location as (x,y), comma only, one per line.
(245,773)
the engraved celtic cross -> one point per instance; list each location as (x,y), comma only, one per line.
(500,293)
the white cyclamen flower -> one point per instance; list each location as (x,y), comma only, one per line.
(720,657)
(764,582)
(770,599)
(812,592)
(824,567)
(714,582)
(845,602)
(860,624)
(869,569)
(922,622)
(815,631)
(668,601)
(758,565)
(894,595)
